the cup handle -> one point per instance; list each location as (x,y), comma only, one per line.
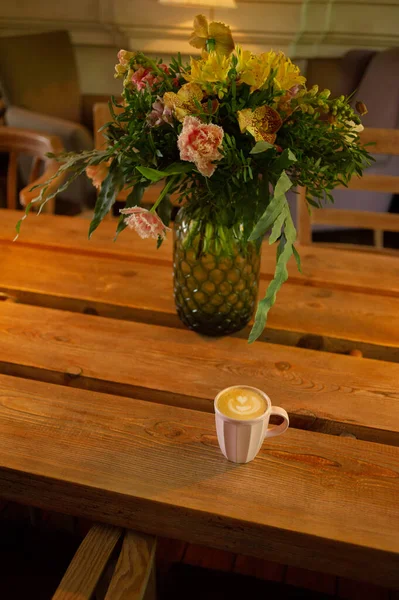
(278,429)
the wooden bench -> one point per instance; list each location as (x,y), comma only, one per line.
(130,576)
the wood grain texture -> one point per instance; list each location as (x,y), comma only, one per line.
(109,287)
(321,267)
(327,502)
(321,391)
(84,572)
(133,569)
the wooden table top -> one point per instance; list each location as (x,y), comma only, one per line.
(105,400)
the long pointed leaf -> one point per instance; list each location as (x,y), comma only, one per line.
(278,224)
(280,276)
(106,198)
(297,259)
(274,209)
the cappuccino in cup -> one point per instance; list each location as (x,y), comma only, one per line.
(242,416)
(241,403)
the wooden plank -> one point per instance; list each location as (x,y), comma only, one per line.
(325,267)
(133,570)
(374,183)
(359,219)
(321,391)
(311,580)
(209,558)
(88,563)
(261,569)
(169,552)
(384,141)
(355,590)
(341,320)
(329,503)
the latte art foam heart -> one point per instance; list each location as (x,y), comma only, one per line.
(242,403)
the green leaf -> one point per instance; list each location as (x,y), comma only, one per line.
(274,208)
(165,191)
(133,199)
(278,224)
(106,198)
(284,253)
(152,174)
(285,160)
(164,210)
(289,228)
(174,169)
(261,147)
(178,168)
(297,258)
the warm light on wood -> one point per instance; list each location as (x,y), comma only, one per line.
(209,3)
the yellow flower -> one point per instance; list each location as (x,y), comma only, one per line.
(211,69)
(262,123)
(254,69)
(288,75)
(183,103)
(213,36)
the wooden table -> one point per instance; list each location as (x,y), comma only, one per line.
(105,400)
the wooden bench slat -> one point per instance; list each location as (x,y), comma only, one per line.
(135,569)
(114,288)
(321,391)
(308,498)
(356,218)
(339,269)
(374,183)
(88,564)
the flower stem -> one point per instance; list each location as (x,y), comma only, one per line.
(162,195)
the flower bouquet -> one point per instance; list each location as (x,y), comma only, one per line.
(228,134)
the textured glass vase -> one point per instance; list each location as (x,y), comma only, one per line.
(216,276)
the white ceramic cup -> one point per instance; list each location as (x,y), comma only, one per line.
(241,440)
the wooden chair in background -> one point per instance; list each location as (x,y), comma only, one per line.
(386,142)
(93,573)
(15,142)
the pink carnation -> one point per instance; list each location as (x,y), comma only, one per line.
(97,173)
(199,143)
(146,223)
(145,77)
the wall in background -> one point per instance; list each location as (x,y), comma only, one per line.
(303,28)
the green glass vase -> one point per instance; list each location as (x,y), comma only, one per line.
(216,276)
